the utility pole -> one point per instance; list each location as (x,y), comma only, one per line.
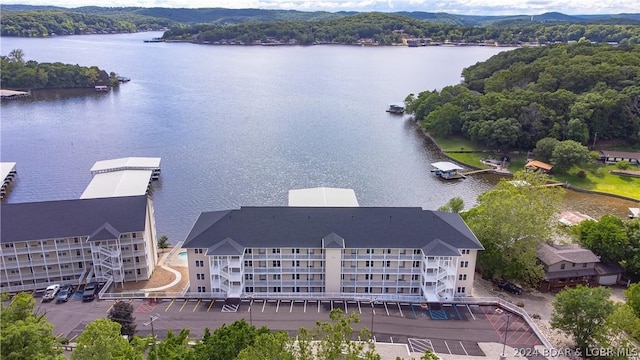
(150,322)
(503,356)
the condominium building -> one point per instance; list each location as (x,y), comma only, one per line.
(337,252)
(72,241)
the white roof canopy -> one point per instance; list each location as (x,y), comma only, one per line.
(118,183)
(445,166)
(323,196)
(6,168)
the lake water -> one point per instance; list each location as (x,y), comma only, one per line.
(237,125)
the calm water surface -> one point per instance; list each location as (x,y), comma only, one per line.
(237,125)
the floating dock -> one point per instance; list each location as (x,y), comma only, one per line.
(447,170)
(129,163)
(13,94)
(8,173)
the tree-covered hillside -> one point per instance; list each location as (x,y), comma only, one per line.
(567,92)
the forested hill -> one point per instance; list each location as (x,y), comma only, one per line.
(35,21)
(567,92)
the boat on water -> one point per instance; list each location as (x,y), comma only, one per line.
(396,109)
(447,170)
(102,88)
(154,40)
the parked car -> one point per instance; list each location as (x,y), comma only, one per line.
(50,292)
(90,291)
(510,287)
(65,294)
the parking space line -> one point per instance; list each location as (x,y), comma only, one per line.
(183,305)
(391,339)
(197,304)
(399,308)
(211,304)
(447,345)
(465,350)
(264,303)
(346,308)
(278,306)
(168,306)
(305,306)
(110,307)
(359,308)
(318,305)
(60,335)
(291,307)
(470,312)
(386,308)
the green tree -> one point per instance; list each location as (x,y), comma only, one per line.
(227,341)
(163,242)
(567,154)
(25,333)
(101,340)
(607,238)
(582,312)
(511,221)
(454,205)
(633,297)
(544,148)
(174,347)
(17,56)
(334,338)
(269,346)
(122,313)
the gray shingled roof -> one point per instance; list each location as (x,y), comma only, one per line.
(438,247)
(69,218)
(550,255)
(225,247)
(360,227)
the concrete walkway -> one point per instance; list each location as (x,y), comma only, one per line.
(178,275)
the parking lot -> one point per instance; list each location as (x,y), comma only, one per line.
(445,328)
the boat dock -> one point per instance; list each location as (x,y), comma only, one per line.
(447,170)
(8,173)
(13,94)
(122,177)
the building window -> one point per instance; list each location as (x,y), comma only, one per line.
(388,263)
(247,251)
(416,264)
(368,263)
(295,263)
(562,266)
(138,272)
(388,251)
(137,259)
(248,263)
(296,276)
(415,277)
(248,289)
(370,251)
(134,235)
(202,289)
(367,277)
(276,277)
(276,263)
(295,251)
(277,289)
(461,290)
(248,276)
(416,251)
(276,251)
(462,277)
(386,276)
(584,265)
(199,263)
(464,264)
(198,251)
(200,276)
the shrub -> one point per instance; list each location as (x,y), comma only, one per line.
(622,165)
(581,174)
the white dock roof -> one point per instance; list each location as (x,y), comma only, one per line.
(323,196)
(129,163)
(445,166)
(6,168)
(118,183)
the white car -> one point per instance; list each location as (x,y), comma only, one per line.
(50,292)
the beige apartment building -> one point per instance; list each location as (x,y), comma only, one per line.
(392,253)
(75,241)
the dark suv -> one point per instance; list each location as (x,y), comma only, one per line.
(65,294)
(510,287)
(90,291)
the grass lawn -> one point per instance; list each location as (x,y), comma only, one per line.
(599,179)
(453,143)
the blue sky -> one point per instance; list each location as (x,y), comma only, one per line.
(466,7)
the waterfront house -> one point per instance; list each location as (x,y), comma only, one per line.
(609,156)
(535,165)
(110,239)
(567,265)
(393,253)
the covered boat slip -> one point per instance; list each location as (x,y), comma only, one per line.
(8,173)
(118,183)
(447,170)
(323,196)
